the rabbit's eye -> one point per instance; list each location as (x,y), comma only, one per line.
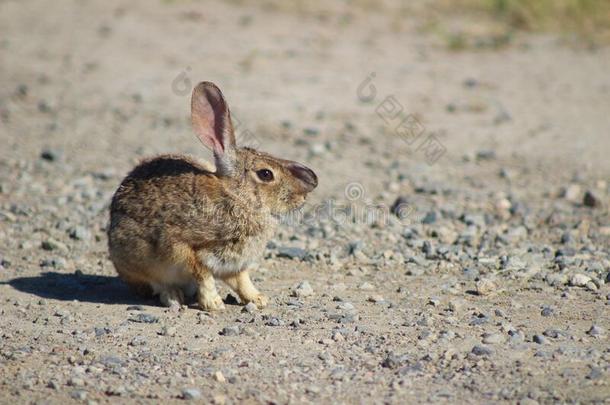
(265,175)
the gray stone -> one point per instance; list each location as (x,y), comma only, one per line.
(250,308)
(376,298)
(594,374)
(79,233)
(493,338)
(168,331)
(591,200)
(76,382)
(434,301)
(53,385)
(311,131)
(62,313)
(474,219)
(274,321)
(393,361)
(499,312)
(232,330)
(317,149)
(50,154)
(303,289)
(479,319)
(355,246)
(401,207)
(430,218)
(51,244)
(528,401)
(486,154)
(346,306)
(516,336)
(540,339)
(79,395)
(556,280)
(291,252)
(579,280)
(144,318)
(366,286)
(191,393)
(481,351)
(485,287)
(471,273)
(455,305)
(571,193)
(101,331)
(112,362)
(596,331)
(552,333)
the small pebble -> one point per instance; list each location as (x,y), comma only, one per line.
(79,233)
(191,393)
(366,286)
(232,330)
(346,306)
(595,331)
(455,305)
(591,200)
(552,333)
(528,401)
(302,290)
(291,253)
(493,338)
(51,244)
(144,318)
(434,302)
(50,155)
(540,339)
(250,308)
(481,351)
(76,382)
(218,376)
(79,395)
(168,331)
(485,287)
(579,280)
(571,193)
(375,298)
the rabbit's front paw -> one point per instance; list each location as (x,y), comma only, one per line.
(260,301)
(211,303)
(172,297)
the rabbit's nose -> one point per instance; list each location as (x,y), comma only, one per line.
(305,174)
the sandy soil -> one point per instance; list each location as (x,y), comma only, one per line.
(492,288)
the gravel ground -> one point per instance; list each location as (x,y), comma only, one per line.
(464,257)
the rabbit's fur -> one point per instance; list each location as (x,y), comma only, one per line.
(177,224)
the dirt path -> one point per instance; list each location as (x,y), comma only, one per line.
(493,288)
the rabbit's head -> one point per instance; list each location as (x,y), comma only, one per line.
(280,185)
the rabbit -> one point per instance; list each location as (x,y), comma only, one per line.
(177,224)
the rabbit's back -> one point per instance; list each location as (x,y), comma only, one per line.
(161,191)
(161,199)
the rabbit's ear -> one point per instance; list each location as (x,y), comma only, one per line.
(211,121)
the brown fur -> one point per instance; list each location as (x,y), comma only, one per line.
(175,223)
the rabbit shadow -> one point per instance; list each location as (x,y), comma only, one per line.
(77,286)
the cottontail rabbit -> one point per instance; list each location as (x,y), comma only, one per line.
(177,224)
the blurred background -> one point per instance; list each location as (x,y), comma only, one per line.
(109,79)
